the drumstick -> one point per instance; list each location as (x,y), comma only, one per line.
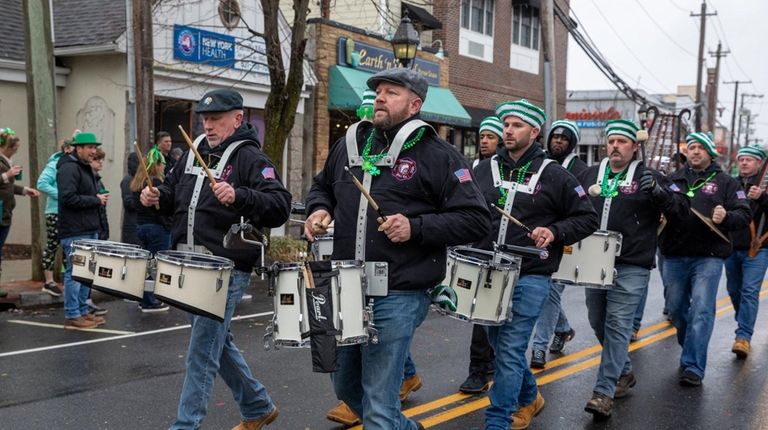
(513,219)
(708,221)
(146,172)
(368,197)
(197,156)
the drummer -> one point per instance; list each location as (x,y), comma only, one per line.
(552,204)
(247,186)
(629,199)
(430,201)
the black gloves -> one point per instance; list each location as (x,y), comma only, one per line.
(649,185)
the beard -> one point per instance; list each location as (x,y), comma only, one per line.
(386,119)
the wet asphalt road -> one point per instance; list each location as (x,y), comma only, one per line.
(129,375)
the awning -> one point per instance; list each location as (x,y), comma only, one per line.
(421,17)
(345,92)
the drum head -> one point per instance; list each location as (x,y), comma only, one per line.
(194,259)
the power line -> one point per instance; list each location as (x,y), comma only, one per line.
(672,39)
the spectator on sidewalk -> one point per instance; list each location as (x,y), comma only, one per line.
(46,183)
(163,143)
(128,234)
(97,164)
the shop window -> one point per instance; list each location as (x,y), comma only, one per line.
(476,29)
(526,33)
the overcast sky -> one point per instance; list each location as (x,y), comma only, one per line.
(653,45)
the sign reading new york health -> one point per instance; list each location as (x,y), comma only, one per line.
(200,46)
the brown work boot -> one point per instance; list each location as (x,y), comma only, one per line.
(599,405)
(522,417)
(740,348)
(343,414)
(258,423)
(79,323)
(95,318)
(409,385)
(623,385)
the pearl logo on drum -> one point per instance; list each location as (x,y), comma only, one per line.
(105,272)
(164,278)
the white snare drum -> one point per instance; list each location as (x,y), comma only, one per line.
(590,262)
(349,292)
(484,282)
(120,270)
(322,247)
(83,257)
(290,318)
(196,283)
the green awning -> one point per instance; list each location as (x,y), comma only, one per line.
(345,92)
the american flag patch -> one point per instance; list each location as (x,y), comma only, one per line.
(740,195)
(268,173)
(580,191)
(463,175)
(674,188)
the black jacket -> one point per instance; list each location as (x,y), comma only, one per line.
(741,239)
(130,202)
(636,215)
(559,203)
(150,215)
(424,186)
(79,208)
(689,236)
(259,197)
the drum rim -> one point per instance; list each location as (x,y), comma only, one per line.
(138,253)
(90,244)
(344,264)
(171,257)
(511,260)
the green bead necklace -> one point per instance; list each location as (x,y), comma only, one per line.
(611,188)
(520,177)
(696,185)
(369,161)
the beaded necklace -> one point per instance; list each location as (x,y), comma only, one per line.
(520,177)
(369,161)
(696,185)
(611,188)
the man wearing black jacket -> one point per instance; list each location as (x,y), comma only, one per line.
(247,186)
(634,197)
(745,268)
(694,253)
(550,201)
(430,200)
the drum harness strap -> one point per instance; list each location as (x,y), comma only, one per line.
(625,183)
(198,171)
(567,161)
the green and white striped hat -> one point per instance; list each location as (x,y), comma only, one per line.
(754,151)
(368,97)
(524,110)
(492,124)
(622,127)
(704,139)
(568,125)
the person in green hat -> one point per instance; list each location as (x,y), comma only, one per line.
(80,203)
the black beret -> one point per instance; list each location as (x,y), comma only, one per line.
(403,77)
(219,101)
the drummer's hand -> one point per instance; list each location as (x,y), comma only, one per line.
(718,214)
(541,237)
(224,192)
(754,192)
(397,227)
(149,196)
(317,223)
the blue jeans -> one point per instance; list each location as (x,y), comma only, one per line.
(153,237)
(638,319)
(75,293)
(409,369)
(611,314)
(514,384)
(552,319)
(369,376)
(691,295)
(212,350)
(745,277)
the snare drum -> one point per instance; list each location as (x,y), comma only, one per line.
(590,262)
(83,257)
(484,282)
(349,293)
(322,247)
(196,283)
(120,270)
(290,319)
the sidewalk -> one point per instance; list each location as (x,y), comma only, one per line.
(22,292)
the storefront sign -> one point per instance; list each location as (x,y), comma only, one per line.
(593,119)
(220,50)
(370,58)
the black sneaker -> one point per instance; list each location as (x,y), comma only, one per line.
(690,379)
(538,359)
(93,308)
(154,307)
(560,339)
(52,289)
(476,383)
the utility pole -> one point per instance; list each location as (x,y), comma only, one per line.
(741,112)
(749,119)
(144,58)
(734,136)
(702,31)
(41,109)
(718,55)
(547,19)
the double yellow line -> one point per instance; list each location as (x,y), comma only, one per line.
(655,332)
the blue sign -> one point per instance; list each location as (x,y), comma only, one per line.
(200,46)
(370,58)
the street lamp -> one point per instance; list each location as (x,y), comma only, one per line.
(405,41)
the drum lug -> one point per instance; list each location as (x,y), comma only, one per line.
(181,280)
(92,264)
(219,283)
(576,274)
(602,275)
(606,245)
